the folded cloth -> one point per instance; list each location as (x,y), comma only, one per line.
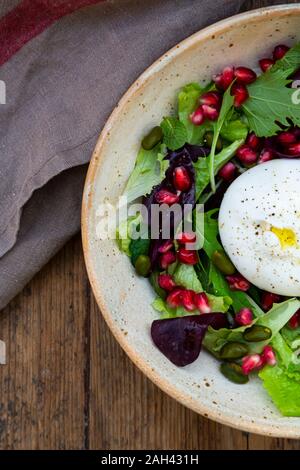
(65,66)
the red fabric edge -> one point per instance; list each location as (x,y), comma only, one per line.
(30,18)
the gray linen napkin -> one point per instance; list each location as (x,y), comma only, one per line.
(61,87)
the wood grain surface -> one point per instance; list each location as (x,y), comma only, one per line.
(68,384)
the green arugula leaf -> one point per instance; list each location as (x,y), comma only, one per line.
(185,276)
(147,172)
(279,315)
(239,299)
(175,133)
(227,106)
(216,278)
(269,101)
(211,232)
(202,166)
(283,351)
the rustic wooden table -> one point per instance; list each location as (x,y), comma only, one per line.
(68,384)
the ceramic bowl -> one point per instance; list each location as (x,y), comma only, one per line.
(125,299)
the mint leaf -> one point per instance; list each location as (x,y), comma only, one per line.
(175,133)
(234,130)
(227,106)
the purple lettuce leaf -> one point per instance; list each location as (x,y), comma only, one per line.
(180,339)
(181,157)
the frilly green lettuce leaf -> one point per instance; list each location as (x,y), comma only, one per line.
(185,276)
(124,232)
(283,389)
(148,171)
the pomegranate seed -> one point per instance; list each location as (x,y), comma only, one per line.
(225,78)
(265,64)
(167,246)
(251,362)
(166,282)
(296,131)
(211,98)
(181,179)
(238,282)
(268,299)
(166,197)
(293,149)
(187,256)
(228,171)
(280,51)
(268,356)
(210,112)
(265,156)
(244,316)
(286,137)
(240,93)
(295,320)
(186,237)
(174,299)
(244,75)
(253,141)
(188,300)
(246,155)
(202,303)
(197,117)
(167,259)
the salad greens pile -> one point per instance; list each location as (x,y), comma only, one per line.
(205,149)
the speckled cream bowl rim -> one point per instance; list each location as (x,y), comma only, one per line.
(244,423)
